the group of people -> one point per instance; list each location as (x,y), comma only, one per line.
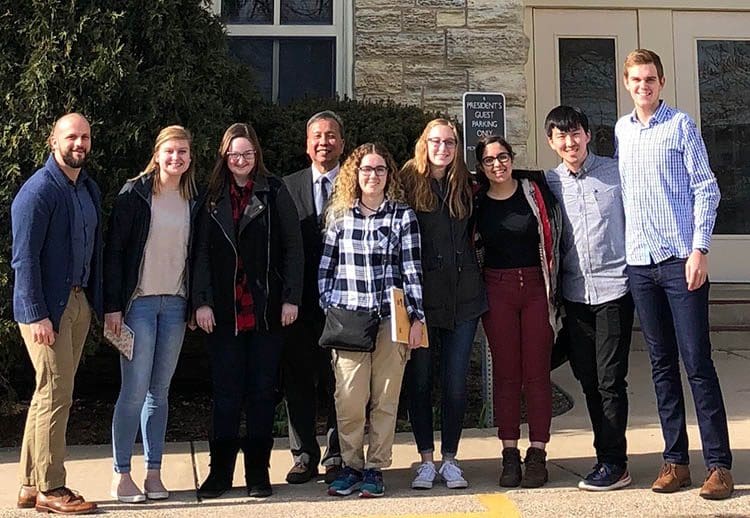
(259,263)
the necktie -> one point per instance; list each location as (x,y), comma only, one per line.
(322,197)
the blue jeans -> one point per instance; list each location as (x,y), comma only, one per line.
(454,348)
(675,324)
(158,323)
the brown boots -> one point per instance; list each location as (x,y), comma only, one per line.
(673,477)
(511,476)
(535,474)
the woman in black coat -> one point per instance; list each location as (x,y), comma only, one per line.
(247,285)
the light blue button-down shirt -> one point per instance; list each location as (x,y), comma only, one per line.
(670,193)
(592,248)
(317,177)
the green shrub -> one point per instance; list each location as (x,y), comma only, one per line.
(132,68)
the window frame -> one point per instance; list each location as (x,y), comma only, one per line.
(340,30)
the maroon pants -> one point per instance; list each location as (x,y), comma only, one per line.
(520,339)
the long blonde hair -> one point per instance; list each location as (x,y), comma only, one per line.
(346,189)
(187,180)
(416,176)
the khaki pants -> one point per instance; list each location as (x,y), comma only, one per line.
(375,378)
(43,448)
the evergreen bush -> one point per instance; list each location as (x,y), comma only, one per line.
(132,68)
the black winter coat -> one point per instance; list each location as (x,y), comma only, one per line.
(269,241)
(453,288)
(129,225)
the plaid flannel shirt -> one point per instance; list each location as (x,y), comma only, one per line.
(354,267)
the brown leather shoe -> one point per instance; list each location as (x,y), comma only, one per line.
(301,473)
(26,497)
(718,485)
(63,501)
(672,477)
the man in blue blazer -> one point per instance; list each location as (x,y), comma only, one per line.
(306,368)
(57,247)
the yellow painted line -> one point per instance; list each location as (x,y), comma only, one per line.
(497,506)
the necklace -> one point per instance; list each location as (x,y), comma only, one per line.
(367,206)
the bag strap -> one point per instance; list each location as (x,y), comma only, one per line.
(386,263)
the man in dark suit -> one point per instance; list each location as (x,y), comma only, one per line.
(306,368)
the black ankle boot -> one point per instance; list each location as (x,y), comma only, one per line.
(511,476)
(535,474)
(223,457)
(257,462)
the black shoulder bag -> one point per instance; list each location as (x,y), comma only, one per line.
(355,330)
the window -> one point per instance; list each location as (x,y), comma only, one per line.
(588,74)
(294,47)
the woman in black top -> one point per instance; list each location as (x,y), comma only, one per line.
(518,221)
(439,188)
(247,285)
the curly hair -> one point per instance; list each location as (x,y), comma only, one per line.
(416,176)
(346,189)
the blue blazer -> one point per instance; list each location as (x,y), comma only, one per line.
(41,218)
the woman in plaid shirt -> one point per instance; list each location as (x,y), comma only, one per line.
(371,244)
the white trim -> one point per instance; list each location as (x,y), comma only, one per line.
(341,30)
(281,31)
(275,71)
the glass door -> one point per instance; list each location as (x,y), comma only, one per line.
(578,56)
(712,83)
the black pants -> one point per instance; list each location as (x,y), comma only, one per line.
(244,373)
(307,376)
(599,350)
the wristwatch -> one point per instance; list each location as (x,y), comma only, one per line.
(704,251)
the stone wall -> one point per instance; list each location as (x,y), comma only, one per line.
(429,52)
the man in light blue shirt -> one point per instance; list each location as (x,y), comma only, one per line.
(670,196)
(597,301)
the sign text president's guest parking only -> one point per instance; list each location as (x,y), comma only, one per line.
(484,114)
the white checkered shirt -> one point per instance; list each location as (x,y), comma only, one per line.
(354,265)
(669,192)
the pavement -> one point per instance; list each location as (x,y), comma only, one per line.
(570,457)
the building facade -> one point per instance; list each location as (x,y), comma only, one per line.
(539,53)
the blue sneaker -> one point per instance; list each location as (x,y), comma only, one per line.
(606,477)
(348,481)
(372,484)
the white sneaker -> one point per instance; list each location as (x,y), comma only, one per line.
(425,476)
(452,474)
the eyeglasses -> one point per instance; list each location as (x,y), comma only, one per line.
(367,170)
(503,158)
(436,142)
(247,155)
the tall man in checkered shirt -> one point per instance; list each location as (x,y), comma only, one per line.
(670,197)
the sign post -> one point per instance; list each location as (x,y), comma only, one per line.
(484,114)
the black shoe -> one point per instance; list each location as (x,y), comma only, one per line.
(535,473)
(301,473)
(511,476)
(223,457)
(257,458)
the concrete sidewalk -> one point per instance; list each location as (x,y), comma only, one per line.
(570,456)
